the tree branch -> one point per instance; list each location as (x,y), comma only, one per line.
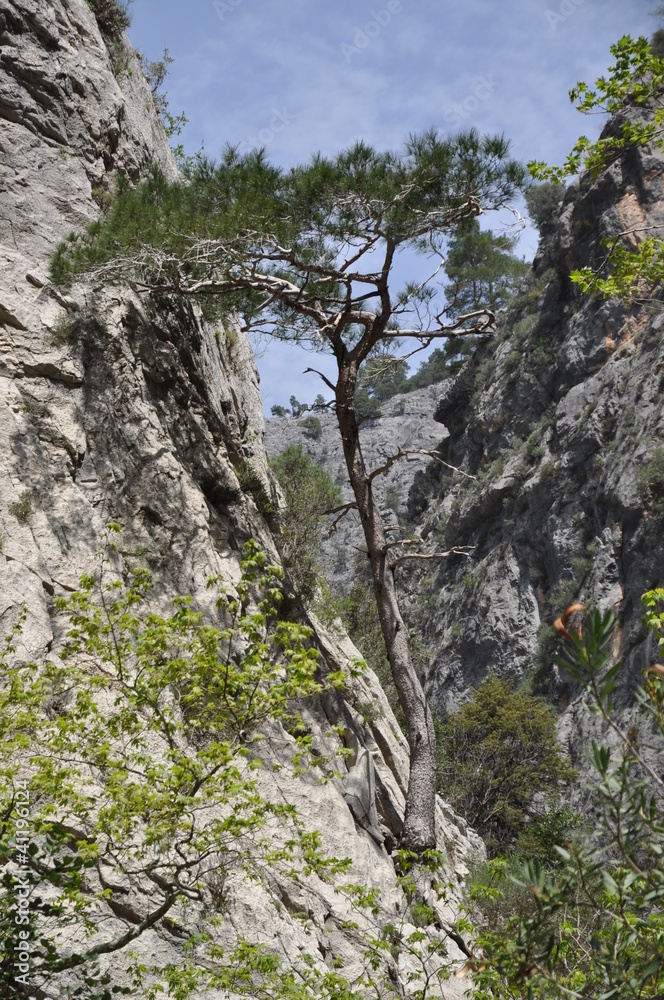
(108,947)
(342,511)
(458,550)
(327,382)
(404,452)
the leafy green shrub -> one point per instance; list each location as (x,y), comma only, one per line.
(593,927)
(367,406)
(63,331)
(392,497)
(543,202)
(496,755)
(112,16)
(251,483)
(564,593)
(358,611)
(512,361)
(22,508)
(650,481)
(134,757)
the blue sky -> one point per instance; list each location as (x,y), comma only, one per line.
(298,76)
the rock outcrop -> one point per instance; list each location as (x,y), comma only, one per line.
(121,407)
(560,418)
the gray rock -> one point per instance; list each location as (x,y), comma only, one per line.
(115,406)
(559,418)
(406,422)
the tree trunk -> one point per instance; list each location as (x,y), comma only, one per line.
(419,831)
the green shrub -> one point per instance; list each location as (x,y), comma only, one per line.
(22,509)
(592,928)
(309,492)
(112,16)
(252,484)
(312,427)
(358,611)
(139,746)
(62,332)
(544,203)
(495,756)
(650,481)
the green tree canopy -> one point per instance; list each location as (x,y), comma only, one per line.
(483,269)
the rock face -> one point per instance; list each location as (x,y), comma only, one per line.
(560,418)
(406,422)
(112,407)
(133,409)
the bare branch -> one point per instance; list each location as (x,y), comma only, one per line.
(342,511)
(404,452)
(327,382)
(107,947)
(458,550)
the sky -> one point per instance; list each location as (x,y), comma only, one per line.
(301,76)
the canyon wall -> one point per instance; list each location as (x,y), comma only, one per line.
(120,407)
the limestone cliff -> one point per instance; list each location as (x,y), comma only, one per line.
(559,416)
(124,407)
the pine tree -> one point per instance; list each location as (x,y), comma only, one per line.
(483,269)
(307,255)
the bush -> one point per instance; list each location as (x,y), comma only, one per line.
(138,748)
(112,16)
(312,427)
(309,492)
(593,928)
(367,406)
(543,202)
(498,757)
(650,481)
(22,509)
(358,611)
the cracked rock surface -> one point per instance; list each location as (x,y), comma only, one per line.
(115,406)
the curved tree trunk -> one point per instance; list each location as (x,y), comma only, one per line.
(419,826)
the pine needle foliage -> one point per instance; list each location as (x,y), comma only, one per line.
(484,271)
(112,16)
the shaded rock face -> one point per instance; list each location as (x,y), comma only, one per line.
(559,417)
(113,407)
(121,407)
(406,422)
